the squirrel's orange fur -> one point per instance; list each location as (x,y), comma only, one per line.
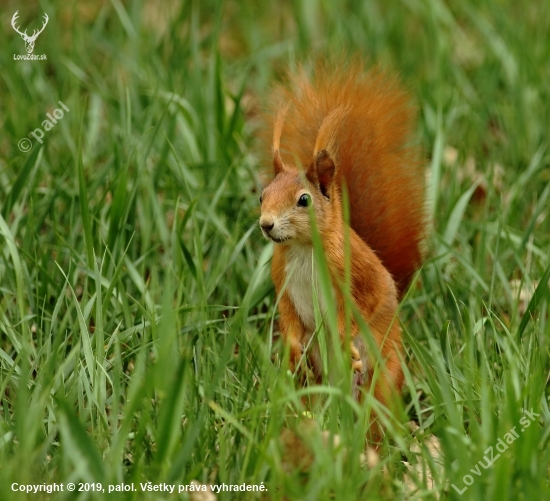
(345,125)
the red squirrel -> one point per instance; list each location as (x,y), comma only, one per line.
(348,126)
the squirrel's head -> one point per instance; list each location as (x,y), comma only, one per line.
(286,200)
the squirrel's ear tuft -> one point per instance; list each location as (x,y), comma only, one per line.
(322,171)
(277,131)
(278,162)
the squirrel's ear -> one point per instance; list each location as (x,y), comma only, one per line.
(278,162)
(322,172)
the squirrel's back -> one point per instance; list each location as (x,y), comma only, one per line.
(375,154)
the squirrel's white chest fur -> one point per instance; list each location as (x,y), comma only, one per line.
(302,277)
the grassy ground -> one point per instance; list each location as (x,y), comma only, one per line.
(136,309)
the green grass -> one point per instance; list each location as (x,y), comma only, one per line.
(136,309)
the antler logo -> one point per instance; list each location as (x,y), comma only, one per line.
(29,40)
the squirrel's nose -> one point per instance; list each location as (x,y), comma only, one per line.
(267,226)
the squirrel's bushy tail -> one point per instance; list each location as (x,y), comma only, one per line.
(376,155)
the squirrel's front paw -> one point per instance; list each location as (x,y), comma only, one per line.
(356,361)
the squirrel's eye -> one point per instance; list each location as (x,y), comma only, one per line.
(304,200)
(260,199)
